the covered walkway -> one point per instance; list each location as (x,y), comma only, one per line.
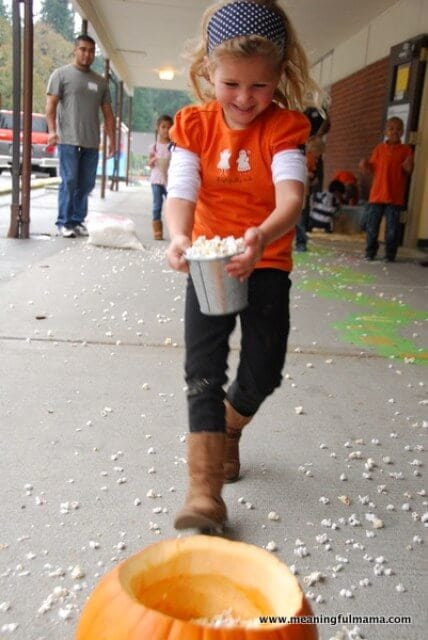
(94,422)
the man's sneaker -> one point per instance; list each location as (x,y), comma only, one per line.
(81,230)
(68,233)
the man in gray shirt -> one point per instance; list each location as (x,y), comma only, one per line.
(75,96)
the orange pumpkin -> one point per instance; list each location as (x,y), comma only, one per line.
(174,589)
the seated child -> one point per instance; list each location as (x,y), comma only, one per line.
(325,206)
(349,179)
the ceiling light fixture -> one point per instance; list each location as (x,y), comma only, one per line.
(166,74)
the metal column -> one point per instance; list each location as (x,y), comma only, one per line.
(114,186)
(128,157)
(15,209)
(104,139)
(27,117)
(20,207)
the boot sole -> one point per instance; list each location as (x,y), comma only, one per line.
(197,521)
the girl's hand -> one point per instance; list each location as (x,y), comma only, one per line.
(242,265)
(175,253)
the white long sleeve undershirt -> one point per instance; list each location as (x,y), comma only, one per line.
(184,178)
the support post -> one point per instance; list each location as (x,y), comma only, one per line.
(128,157)
(21,188)
(15,208)
(27,117)
(115,178)
(104,139)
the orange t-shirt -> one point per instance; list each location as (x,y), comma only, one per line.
(389,179)
(237,191)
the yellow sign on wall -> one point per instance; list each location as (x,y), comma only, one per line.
(402,81)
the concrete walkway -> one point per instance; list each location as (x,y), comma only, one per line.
(93,423)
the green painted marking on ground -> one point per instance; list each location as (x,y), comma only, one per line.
(379,324)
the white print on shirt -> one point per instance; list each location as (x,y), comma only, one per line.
(92,86)
(224,163)
(243,161)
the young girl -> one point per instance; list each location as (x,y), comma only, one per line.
(251,63)
(159,158)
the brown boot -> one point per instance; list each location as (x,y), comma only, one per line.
(235,422)
(157,229)
(204,507)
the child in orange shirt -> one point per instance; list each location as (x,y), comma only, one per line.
(391,163)
(238,168)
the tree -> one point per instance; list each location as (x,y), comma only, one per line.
(52,52)
(60,16)
(149,104)
(52,49)
(3,11)
(6,65)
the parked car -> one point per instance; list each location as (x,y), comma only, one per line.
(43,156)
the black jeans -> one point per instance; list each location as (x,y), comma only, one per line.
(374,217)
(301,238)
(264,333)
(319,224)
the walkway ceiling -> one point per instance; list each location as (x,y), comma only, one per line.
(140,37)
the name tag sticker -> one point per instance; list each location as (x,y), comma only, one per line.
(92,86)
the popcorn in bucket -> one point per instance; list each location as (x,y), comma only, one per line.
(217,292)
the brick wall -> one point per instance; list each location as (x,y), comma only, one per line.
(357,112)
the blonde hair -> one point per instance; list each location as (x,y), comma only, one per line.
(291,60)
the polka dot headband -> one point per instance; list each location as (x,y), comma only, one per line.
(245,19)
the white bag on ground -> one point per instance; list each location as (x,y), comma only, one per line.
(112,231)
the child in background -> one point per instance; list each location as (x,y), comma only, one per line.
(159,158)
(314,151)
(391,163)
(325,206)
(249,71)
(349,179)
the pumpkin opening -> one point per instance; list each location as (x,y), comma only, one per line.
(188,597)
(200,578)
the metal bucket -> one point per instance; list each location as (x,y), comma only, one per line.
(218,293)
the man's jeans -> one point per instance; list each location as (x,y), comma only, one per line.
(375,212)
(159,193)
(78,171)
